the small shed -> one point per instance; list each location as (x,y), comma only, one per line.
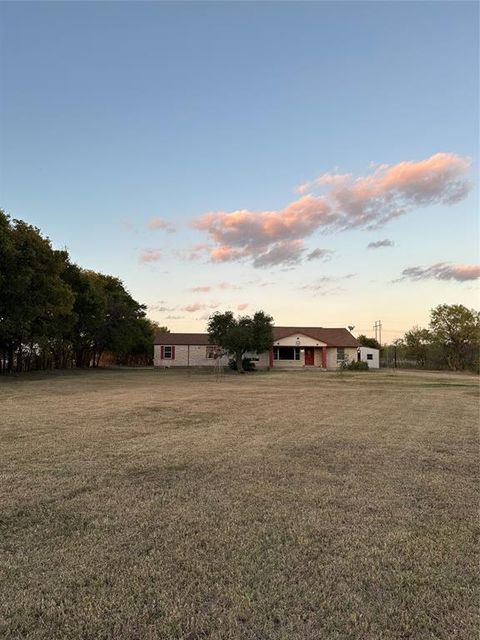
(370,356)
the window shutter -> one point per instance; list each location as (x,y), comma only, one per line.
(161,352)
(173,353)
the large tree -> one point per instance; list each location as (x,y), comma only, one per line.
(34,299)
(55,314)
(456,330)
(241,335)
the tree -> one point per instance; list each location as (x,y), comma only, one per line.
(34,299)
(55,314)
(417,343)
(368,342)
(241,335)
(456,330)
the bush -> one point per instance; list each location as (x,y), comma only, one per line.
(356,365)
(247,364)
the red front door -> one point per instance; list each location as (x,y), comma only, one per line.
(309,356)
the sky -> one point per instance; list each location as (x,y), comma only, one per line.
(315,160)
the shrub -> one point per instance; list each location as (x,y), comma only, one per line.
(247,364)
(356,365)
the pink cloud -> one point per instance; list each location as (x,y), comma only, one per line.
(268,238)
(220,285)
(442,271)
(228,285)
(196,252)
(326,179)
(196,306)
(159,223)
(199,306)
(242,307)
(150,255)
(200,289)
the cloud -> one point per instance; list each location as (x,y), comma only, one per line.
(281,253)
(160,308)
(269,238)
(196,252)
(381,243)
(442,271)
(326,179)
(150,255)
(241,307)
(228,285)
(199,306)
(200,289)
(328,284)
(159,223)
(220,285)
(175,317)
(196,306)
(320,254)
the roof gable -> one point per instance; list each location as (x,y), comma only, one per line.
(332,337)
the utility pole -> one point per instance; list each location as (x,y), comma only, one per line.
(377,327)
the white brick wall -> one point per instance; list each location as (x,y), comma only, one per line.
(192,355)
(196,356)
(350,355)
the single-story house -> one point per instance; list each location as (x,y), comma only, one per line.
(369,355)
(293,348)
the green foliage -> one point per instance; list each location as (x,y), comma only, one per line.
(241,335)
(452,340)
(417,342)
(55,314)
(368,342)
(247,364)
(357,365)
(456,331)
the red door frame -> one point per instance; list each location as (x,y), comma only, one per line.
(310,361)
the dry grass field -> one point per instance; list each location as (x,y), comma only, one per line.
(166,505)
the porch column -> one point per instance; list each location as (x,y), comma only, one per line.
(324,357)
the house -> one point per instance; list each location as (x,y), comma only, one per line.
(370,356)
(293,348)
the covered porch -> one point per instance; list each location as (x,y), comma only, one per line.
(298,351)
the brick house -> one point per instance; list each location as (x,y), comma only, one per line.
(293,348)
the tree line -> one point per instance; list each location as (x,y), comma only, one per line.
(451,341)
(54,314)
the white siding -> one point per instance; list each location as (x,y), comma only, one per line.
(298,340)
(374,361)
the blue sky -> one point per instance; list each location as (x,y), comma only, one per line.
(115,115)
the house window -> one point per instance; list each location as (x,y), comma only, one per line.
(286,353)
(168,353)
(210,351)
(340,354)
(369,356)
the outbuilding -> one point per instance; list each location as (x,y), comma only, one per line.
(370,356)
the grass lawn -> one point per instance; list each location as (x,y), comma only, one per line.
(169,505)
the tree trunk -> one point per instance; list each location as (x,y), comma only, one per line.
(238,360)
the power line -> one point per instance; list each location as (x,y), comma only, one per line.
(377,327)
